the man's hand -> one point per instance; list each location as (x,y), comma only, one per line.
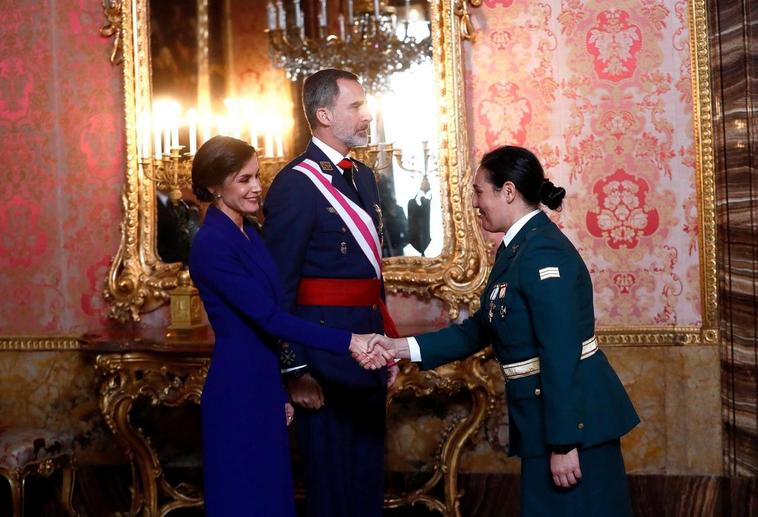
(289,412)
(565,468)
(364,349)
(397,346)
(306,391)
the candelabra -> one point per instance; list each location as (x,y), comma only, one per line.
(376,156)
(369,43)
(427,165)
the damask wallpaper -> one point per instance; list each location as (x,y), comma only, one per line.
(602,93)
(61,150)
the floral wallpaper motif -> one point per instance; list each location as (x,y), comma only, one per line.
(602,95)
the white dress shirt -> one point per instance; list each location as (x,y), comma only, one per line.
(413,348)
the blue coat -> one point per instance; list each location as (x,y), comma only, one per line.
(246,458)
(308,239)
(342,444)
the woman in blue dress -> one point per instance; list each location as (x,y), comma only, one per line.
(246,457)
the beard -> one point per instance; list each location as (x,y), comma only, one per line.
(351,137)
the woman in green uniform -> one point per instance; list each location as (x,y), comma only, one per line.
(567,408)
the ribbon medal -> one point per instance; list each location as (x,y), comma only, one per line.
(493,297)
(501,296)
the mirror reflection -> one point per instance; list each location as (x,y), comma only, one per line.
(212,73)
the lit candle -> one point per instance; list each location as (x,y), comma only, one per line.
(322,16)
(253,135)
(174,133)
(298,13)
(282,14)
(192,121)
(350,12)
(268,144)
(271,14)
(166,136)
(376,9)
(157,139)
(144,136)
(341,22)
(279,144)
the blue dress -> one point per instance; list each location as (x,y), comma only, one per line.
(246,457)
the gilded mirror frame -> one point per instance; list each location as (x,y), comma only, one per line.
(139,282)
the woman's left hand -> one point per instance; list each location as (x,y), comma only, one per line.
(289,412)
(565,468)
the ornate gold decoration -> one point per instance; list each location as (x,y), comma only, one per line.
(38,343)
(112,9)
(138,280)
(186,308)
(467,29)
(162,380)
(16,478)
(705,166)
(469,376)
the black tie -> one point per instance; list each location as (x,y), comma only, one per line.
(500,249)
(346,164)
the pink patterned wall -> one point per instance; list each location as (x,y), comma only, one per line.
(601,92)
(62,156)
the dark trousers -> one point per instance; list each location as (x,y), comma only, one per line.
(342,445)
(602,492)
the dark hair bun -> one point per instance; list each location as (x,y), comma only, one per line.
(202,193)
(551,196)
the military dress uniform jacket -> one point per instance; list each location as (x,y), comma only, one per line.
(308,239)
(538,303)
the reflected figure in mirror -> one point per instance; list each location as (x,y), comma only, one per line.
(177,225)
(419,209)
(395,230)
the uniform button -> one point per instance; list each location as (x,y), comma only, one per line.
(322,322)
(581,425)
(344,230)
(374,307)
(537,392)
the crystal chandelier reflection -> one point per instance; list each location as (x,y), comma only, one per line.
(371,41)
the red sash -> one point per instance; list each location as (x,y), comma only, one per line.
(346,292)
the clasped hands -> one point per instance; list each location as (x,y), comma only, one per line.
(374,351)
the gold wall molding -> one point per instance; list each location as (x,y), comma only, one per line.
(38,343)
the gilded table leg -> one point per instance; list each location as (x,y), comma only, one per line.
(67,489)
(16,484)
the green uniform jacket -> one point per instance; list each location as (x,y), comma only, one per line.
(538,303)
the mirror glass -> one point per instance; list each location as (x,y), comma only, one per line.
(203,65)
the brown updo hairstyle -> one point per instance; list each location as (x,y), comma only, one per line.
(218,158)
(523,169)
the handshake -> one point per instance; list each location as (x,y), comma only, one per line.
(374,351)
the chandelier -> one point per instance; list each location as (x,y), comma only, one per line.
(371,41)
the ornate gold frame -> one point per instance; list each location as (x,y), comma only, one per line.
(138,280)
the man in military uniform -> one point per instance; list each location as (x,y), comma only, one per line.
(321,226)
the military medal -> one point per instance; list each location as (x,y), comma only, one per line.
(380,226)
(326,166)
(493,296)
(501,296)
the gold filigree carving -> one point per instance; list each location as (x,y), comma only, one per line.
(113,27)
(38,343)
(161,380)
